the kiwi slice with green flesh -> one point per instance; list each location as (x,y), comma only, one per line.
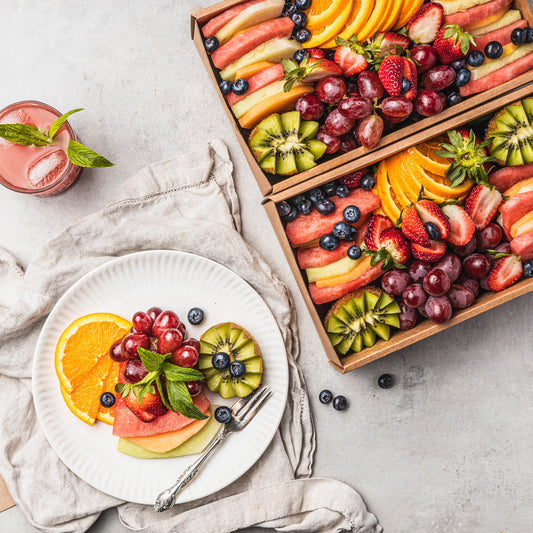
(234,340)
(284,144)
(357,319)
(512,132)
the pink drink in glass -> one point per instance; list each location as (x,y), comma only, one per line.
(38,170)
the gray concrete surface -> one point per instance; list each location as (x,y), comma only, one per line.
(448,449)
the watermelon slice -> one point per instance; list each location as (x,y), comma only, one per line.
(218,22)
(502,35)
(480,12)
(306,228)
(514,209)
(258,81)
(506,177)
(523,246)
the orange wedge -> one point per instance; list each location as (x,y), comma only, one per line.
(83,343)
(329,31)
(361,10)
(416,154)
(389,203)
(409,8)
(406,192)
(107,414)
(359,270)
(380,14)
(249,70)
(396,8)
(322,13)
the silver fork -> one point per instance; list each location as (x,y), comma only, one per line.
(243,410)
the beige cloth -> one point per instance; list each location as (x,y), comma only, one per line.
(187,204)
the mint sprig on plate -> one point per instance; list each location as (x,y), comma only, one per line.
(28,135)
(173,391)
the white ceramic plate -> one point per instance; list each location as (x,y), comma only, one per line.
(176,281)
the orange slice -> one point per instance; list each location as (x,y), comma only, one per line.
(380,14)
(330,30)
(107,414)
(83,343)
(409,8)
(427,163)
(405,188)
(394,12)
(321,13)
(361,10)
(389,202)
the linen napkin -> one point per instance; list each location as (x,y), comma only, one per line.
(189,204)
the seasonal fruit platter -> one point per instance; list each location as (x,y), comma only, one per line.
(121,383)
(349,72)
(421,236)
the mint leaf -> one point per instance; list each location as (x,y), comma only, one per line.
(181,401)
(122,389)
(179,373)
(152,361)
(56,125)
(162,393)
(85,157)
(24,134)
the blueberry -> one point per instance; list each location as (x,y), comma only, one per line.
(325,207)
(385,381)
(325,396)
(453,98)
(299,18)
(354,252)
(302,36)
(302,4)
(493,50)
(341,229)
(340,403)
(368,182)
(107,399)
(529,35)
(315,195)
(225,87)
(475,58)
(352,234)
(299,198)
(195,316)
(211,44)
(406,85)
(299,55)
(293,213)
(330,54)
(305,207)
(342,191)
(328,242)
(458,64)
(240,86)
(351,214)
(288,9)
(463,77)
(528,268)
(432,230)
(330,188)
(518,36)
(223,414)
(283,209)
(237,369)
(220,361)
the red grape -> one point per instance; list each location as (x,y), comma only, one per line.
(134,371)
(408,316)
(397,108)
(422,311)
(467,249)
(185,356)
(310,107)
(355,107)
(330,90)
(115,352)
(131,342)
(338,124)
(194,387)
(166,320)
(142,323)
(425,55)
(192,342)
(169,340)
(438,309)
(438,78)
(504,248)
(418,269)
(428,103)
(394,282)
(451,265)
(436,282)
(469,283)
(476,266)
(154,312)
(483,283)
(370,85)
(414,295)
(333,143)
(489,237)
(460,296)
(370,130)
(348,143)
(182,329)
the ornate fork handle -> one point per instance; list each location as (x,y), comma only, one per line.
(167,498)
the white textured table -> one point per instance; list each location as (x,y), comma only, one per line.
(449,447)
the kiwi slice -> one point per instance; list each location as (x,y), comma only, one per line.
(285,144)
(512,132)
(359,318)
(239,345)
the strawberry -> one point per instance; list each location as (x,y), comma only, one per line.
(452,42)
(149,408)
(462,227)
(350,61)
(316,52)
(376,225)
(423,26)
(429,211)
(394,250)
(413,228)
(310,70)
(388,42)
(410,72)
(430,254)
(353,179)
(482,204)
(506,271)
(390,74)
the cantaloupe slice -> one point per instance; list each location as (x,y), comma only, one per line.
(519,188)
(523,225)
(488,20)
(338,268)
(251,100)
(511,16)
(278,103)
(249,70)
(362,267)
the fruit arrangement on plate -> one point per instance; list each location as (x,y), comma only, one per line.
(146,378)
(422,233)
(312,78)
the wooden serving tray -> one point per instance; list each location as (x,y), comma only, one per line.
(270,184)
(399,339)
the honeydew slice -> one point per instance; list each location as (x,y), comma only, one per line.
(496,64)
(338,268)
(454,6)
(511,16)
(244,105)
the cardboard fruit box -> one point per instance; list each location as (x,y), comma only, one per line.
(273,184)
(425,328)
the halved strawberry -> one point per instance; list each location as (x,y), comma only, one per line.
(150,407)
(353,179)
(462,227)
(410,72)
(413,228)
(394,250)
(506,271)
(388,41)
(482,204)
(390,74)
(429,211)
(310,69)
(316,52)
(423,26)
(350,61)
(376,225)
(430,254)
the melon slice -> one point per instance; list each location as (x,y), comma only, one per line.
(511,16)
(362,266)
(476,13)
(218,22)
(244,105)
(338,268)
(523,246)
(496,64)
(514,209)
(520,188)
(258,81)
(453,6)
(502,35)
(248,71)
(273,51)
(488,20)
(522,225)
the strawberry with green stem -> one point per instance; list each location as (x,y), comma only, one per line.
(310,69)
(452,42)
(393,250)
